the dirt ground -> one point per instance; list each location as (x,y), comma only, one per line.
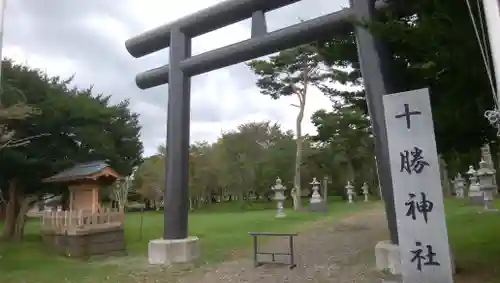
(336,253)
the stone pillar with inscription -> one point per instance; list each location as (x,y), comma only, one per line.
(424,250)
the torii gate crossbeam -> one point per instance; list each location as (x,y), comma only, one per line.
(178,35)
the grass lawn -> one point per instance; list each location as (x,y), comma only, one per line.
(222,230)
(474,237)
(475,240)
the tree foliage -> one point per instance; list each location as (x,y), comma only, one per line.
(81,126)
(249,157)
(244,163)
(149,178)
(291,72)
(344,141)
(434,47)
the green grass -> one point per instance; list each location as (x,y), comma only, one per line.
(223,230)
(475,241)
(474,237)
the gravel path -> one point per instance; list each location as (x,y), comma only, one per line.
(338,253)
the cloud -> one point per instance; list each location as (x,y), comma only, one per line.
(86,38)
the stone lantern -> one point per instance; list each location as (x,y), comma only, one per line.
(350,191)
(279,197)
(475,194)
(459,186)
(316,202)
(486,183)
(364,188)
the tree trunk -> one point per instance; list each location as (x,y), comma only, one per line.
(11,210)
(209,197)
(25,203)
(445,181)
(350,169)
(2,211)
(198,202)
(242,201)
(296,180)
(297,194)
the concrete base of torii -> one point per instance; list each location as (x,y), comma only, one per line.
(167,252)
(388,258)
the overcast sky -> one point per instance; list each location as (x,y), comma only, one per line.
(86,38)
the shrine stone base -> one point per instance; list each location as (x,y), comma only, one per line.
(167,252)
(476,200)
(317,207)
(388,258)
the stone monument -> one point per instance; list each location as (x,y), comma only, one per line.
(279,197)
(475,194)
(424,249)
(486,183)
(350,191)
(325,189)
(459,186)
(316,202)
(364,188)
(486,156)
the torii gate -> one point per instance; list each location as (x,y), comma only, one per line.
(178,35)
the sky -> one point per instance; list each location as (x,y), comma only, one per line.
(86,38)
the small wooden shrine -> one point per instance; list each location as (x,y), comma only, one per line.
(84,229)
(84,181)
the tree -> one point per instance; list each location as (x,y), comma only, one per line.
(252,157)
(149,178)
(345,141)
(121,189)
(17,109)
(203,179)
(8,136)
(82,127)
(434,47)
(290,72)
(241,166)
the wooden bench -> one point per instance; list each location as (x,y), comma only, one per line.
(256,251)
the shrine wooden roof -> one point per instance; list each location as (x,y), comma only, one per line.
(83,171)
